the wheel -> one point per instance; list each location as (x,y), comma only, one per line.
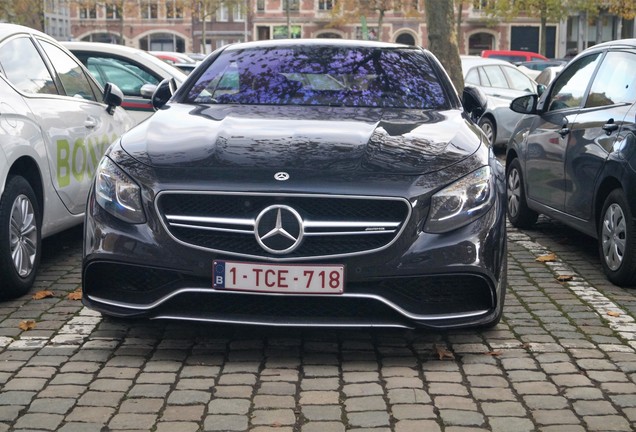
(617,240)
(488,126)
(20,237)
(518,212)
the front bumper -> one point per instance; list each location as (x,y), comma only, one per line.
(446,280)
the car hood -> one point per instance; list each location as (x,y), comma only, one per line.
(327,139)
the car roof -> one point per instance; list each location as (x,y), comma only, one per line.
(124,51)
(626,43)
(349,43)
(7,30)
(470,61)
(513,52)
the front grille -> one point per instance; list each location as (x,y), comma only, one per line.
(332,226)
(418,296)
(432,295)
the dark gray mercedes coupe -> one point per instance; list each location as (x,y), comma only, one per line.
(303,183)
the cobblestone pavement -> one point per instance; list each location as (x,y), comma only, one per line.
(563,359)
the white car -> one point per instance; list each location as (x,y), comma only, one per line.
(501,81)
(54,129)
(136,72)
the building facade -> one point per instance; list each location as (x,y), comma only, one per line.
(175,25)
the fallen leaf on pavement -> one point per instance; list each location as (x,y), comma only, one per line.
(494,353)
(546,258)
(614,314)
(27,325)
(42,294)
(564,278)
(443,353)
(526,345)
(75,295)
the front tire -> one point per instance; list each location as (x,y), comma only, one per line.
(20,237)
(617,240)
(519,214)
(488,126)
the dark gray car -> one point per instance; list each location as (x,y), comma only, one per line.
(574,157)
(303,183)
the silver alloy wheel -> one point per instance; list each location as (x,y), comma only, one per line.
(23,235)
(514,192)
(488,130)
(614,236)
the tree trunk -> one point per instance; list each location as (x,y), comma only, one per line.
(442,38)
(378,34)
(460,10)
(543,33)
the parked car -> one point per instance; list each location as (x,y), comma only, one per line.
(171,57)
(548,74)
(54,129)
(186,68)
(534,68)
(573,157)
(303,183)
(512,55)
(501,82)
(97,56)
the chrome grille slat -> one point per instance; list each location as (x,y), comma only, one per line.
(208,220)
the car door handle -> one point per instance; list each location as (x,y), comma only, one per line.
(90,123)
(563,131)
(610,127)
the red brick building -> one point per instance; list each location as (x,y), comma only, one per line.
(169,26)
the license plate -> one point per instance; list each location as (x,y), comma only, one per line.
(278,278)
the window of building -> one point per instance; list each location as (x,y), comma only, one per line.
(112,11)
(368,33)
(173,10)
(88,12)
(293,4)
(162,42)
(325,5)
(280,32)
(238,13)
(149,9)
(481,4)
(222,13)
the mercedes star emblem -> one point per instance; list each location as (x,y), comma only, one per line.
(281,176)
(279,229)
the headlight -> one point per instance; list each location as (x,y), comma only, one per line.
(462,202)
(117,193)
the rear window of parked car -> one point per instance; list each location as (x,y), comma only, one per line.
(364,77)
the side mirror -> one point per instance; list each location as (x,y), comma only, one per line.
(525,104)
(113,97)
(474,101)
(147,90)
(163,92)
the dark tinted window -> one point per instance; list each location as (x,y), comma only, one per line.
(495,76)
(24,67)
(518,80)
(70,72)
(571,84)
(615,81)
(338,76)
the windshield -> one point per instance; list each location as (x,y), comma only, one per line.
(319,75)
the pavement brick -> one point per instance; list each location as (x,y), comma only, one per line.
(368,419)
(557,364)
(225,423)
(274,416)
